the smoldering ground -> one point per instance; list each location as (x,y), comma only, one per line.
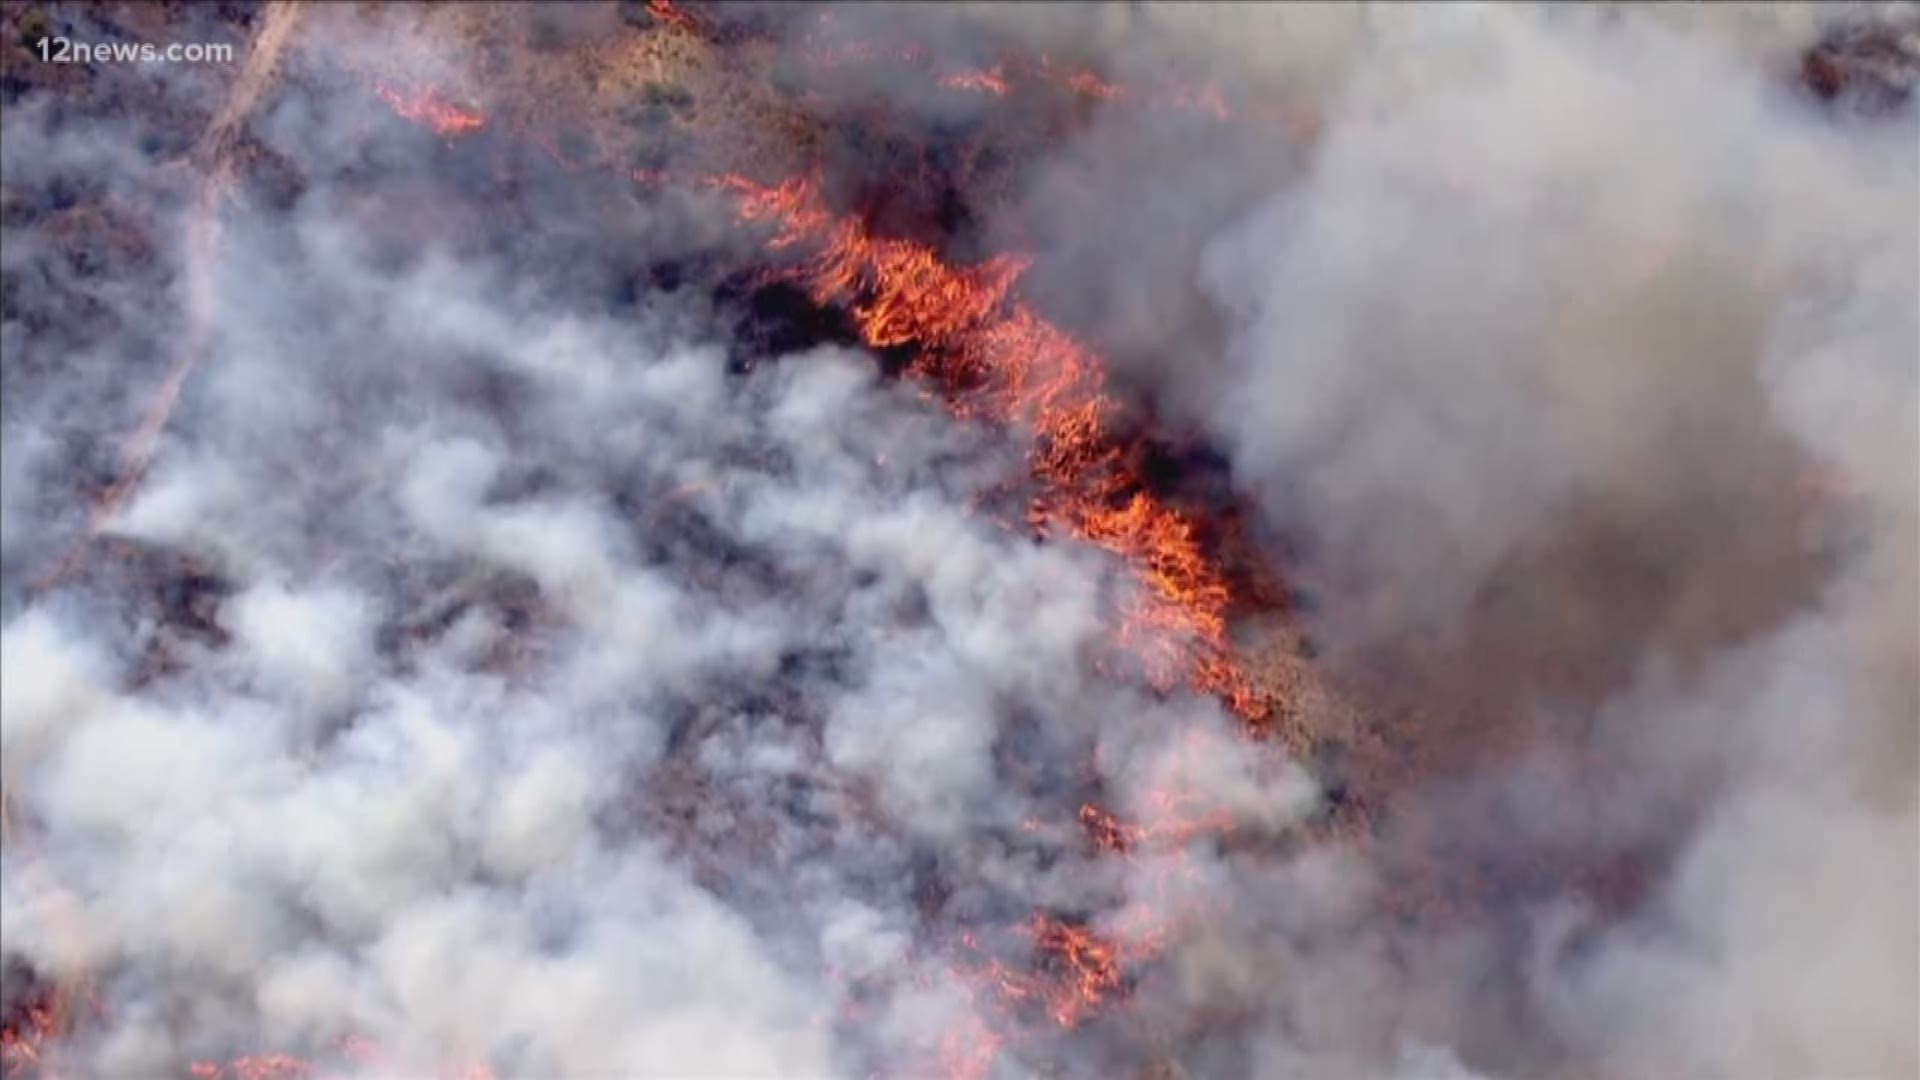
(551,697)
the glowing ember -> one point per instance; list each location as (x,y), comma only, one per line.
(1013,73)
(427,106)
(21,1038)
(252,1067)
(993,81)
(363,1053)
(1170,827)
(1080,81)
(30,1026)
(668,14)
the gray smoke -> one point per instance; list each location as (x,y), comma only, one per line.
(502,676)
(1577,358)
(486,670)
(1572,356)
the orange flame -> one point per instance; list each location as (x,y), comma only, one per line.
(252,1067)
(666,12)
(1170,827)
(31,1026)
(1080,81)
(1004,77)
(361,1051)
(425,105)
(38,1022)
(987,81)
(997,360)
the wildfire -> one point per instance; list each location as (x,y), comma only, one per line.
(989,357)
(1080,81)
(830,51)
(995,359)
(987,81)
(21,1037)
(30,1026)
(668,14)
(1078,972)
(992,358)
(252,1067)
(1171,825)
(363,1053)
(425,105)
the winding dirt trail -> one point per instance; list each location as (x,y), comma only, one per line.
(212,157)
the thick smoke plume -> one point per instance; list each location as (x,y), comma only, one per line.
(498,674)
(1576,362)
(515,655)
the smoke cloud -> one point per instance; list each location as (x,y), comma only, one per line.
(1576,361)
(506,678)
(505,660)
(1571,357)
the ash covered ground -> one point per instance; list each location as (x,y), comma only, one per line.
(984,540)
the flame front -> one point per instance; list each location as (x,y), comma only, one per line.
(425,105)
(994,359)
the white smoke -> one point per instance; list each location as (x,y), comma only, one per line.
(1574,351)
(538,693)
(502,681)
(1586,352)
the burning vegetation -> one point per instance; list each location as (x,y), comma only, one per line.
(425,106)
(1048,897)
(970,343)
